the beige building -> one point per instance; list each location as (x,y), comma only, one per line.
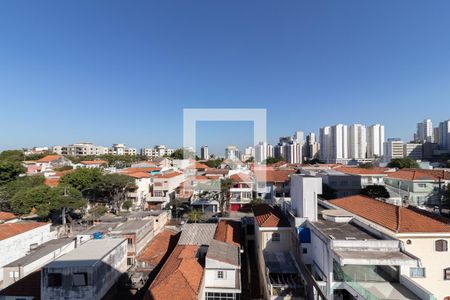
(423,235)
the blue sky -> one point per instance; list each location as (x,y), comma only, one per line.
(122,71)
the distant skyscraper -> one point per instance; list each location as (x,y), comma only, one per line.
(204,153)
(262,152)
(339,142)
(444,135)
(357,145)
(325,144)
(424,131)
(375,140)
(232,152)
(311,147)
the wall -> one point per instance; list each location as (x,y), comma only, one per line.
(434,263)
(230,275)
(283,245)
(18,246)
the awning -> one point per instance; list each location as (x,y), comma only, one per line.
(370,258)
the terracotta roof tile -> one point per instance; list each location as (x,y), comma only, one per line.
(51,182)
(49,158)
(274,175)
(362,171)
(394,218)
(6,216)
(267,216)
(93,162)
(241,177)
(13,229)
(168,175)
(138,175)
(228,231)
(154,253)
(180,277)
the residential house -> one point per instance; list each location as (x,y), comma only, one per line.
(416,186)
(36,259)
(18,239)
(164,189)
(88,272)
(424,235)
(7,217)
(241,193)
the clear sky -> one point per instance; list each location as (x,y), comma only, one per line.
(122,71)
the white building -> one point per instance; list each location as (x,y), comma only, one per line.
(393,148)
(357,143)
(232,152)
(248,153)
(444,135)
(17,239)
(157,151)
(204,153)
(424,132)
(375,140)
(88,272)
(120,149)
(292,153)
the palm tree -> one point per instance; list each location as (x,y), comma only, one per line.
(195,215)
(225,185)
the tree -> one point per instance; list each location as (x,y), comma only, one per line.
(256,202)
(250,160)
(214,163)
(9,170)
(225,185)
(272,160)
(82,179)
(37,156)
(37,199)
(375,191)
(98,211)
(12,155)
(8,190)
(114,187)
(177,154)
(401,163)
(195,216)
(366,165)
(127,204)
(65,199)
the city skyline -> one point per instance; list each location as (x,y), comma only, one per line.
(127,72)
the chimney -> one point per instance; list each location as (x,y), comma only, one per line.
(304,193)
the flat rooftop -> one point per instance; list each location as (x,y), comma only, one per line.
(88,254)
(130,226)
(41,251)
(343,231)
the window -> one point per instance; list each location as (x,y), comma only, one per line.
(440,246)
(219,274)
(79,279)
(276,237)
(221,296)
(305,250)
(447,274)
(130,261)
(54,279)
(417,272)
(422,185)
(130,241)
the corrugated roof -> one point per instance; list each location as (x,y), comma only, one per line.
(197,234)
(13,229)
(223,252)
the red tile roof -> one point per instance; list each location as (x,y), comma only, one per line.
(143,169)
(49,158)
(93,162)
(412,175)
(180,277)
(228,231)
(154,253)
(241,177)
(362,171)
(217,171)
(273,175)
(13,229)
(138,175)
(29,286)
(6,216)
(267,216)
(168,175)
(394,218)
